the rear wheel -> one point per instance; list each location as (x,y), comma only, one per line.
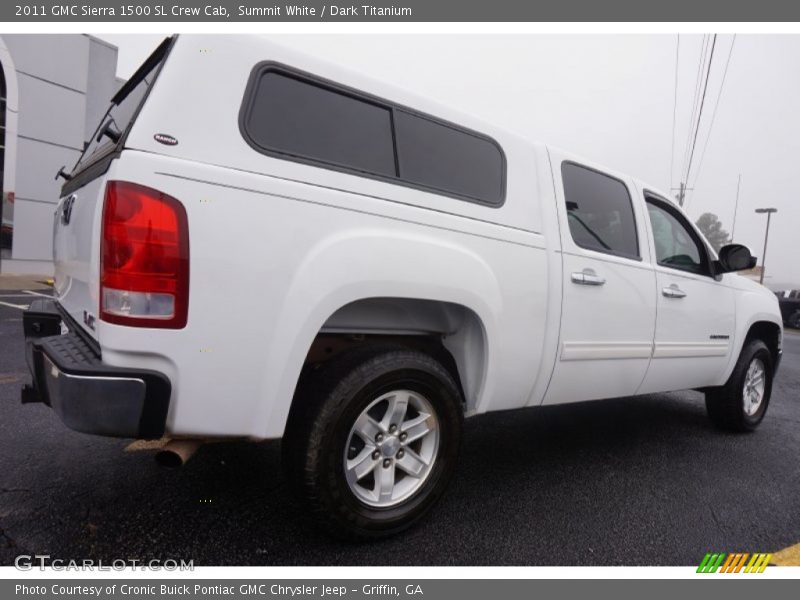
(740,405)
(373,440)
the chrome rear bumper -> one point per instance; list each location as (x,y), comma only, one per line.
(89,396)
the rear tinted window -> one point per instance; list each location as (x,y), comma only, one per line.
(123,108)
(309,121)
(438,156)
(599,211)
(296,116)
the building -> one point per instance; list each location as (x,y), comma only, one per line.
(54,89)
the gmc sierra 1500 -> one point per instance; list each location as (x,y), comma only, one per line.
(407,266)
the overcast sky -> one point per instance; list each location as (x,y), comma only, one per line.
(610,98)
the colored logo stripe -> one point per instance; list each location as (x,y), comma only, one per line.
(734,563)
(758,563)
(711,563)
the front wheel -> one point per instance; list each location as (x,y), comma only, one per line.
(373,440)
(740,405)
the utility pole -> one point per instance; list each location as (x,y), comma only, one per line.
(736,206)
(768,212)
(681,197)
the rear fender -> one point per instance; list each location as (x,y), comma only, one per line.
(381,264)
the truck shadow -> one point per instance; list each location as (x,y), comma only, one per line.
(526,480)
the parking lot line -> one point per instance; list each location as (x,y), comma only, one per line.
(19,306)
(788,557)
(32,293)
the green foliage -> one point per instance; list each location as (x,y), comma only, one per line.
(711,227)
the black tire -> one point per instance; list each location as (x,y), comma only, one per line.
(794,320)
(326,406)
(726,404)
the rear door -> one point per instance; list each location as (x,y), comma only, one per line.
(696,313)
(608,313)
(77,220)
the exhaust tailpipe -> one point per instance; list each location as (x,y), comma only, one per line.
(176,453)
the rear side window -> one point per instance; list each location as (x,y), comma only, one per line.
(599,211)
(308,121)
(293,115)
(441,157)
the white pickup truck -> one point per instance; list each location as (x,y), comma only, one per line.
(258,244)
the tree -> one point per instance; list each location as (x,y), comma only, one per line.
(711,227)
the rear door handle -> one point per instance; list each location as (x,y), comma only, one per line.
(673,291)
(587,277)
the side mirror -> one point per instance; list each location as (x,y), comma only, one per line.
(735,257)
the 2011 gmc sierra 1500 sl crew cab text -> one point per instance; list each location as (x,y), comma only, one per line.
(406,266)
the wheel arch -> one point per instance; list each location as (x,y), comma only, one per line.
(764,326)
(391,288)
(452,333)
(770,333)
(757,315)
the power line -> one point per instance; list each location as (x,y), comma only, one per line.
(674,110)
(701,62)
(736,205)
(714,114)
(697,84)
(701,67)
(700,113)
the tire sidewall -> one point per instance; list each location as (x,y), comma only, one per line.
(352,398)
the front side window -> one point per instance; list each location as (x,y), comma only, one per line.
(677,246)
(599,211)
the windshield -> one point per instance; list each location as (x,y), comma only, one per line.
(123,109)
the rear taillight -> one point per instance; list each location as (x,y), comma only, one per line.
(144,258)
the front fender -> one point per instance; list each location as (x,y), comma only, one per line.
(754,304)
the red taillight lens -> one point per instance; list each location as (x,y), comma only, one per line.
(144,258)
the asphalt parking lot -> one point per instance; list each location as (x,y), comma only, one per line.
(635,481)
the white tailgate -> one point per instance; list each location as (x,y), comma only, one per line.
(76,242)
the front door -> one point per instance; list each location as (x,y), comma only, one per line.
(695,325)
(608,310)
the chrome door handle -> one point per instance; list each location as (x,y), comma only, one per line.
(587,277)
(673,291)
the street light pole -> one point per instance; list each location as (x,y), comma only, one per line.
(768,212)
